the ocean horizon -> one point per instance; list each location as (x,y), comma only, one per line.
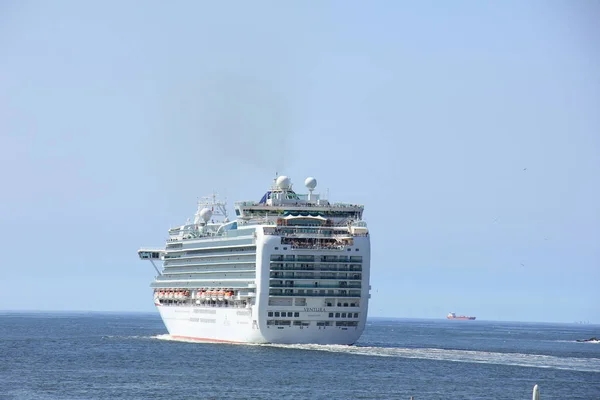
(376,318)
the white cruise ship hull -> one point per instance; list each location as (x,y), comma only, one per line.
(236,325)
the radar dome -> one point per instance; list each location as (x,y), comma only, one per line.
(205,214)
(310,183)
(283,182)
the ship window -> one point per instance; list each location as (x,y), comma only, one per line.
(337,314)
(339,304)
(345,304)
(276,248)
(330,315)
(349,249)
(344,315)
(356,249)
(270,314)
(285,248)
(290,314)
(296,314)
(277,313)
(355,315)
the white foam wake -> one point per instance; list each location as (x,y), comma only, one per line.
(469,356)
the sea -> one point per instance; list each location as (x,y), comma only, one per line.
(130,356)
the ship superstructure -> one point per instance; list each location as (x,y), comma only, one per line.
(292,268)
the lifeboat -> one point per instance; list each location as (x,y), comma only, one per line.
(227,295)
(213,295)
(170,294)
(203,295)
(220,295)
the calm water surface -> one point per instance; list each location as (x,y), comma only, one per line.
(129,356)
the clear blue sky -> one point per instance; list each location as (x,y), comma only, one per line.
(470,131)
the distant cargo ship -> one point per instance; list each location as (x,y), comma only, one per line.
(454,316)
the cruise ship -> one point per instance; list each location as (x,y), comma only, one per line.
(291,268)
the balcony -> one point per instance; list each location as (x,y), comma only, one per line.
(321,286)
(355,295)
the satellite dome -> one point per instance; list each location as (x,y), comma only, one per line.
(310,183)
(283,182)
(205,214)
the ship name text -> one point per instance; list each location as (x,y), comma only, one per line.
(315,309)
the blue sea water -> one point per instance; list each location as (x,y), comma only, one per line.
(129,356)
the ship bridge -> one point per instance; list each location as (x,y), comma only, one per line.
(151,254)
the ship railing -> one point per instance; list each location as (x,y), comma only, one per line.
(317,268)
(308,232)
(322,286)
(315,278)
(316,247)
(331,295)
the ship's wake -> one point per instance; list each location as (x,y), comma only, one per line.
(468,356)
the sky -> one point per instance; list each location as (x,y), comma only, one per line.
(469,130)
